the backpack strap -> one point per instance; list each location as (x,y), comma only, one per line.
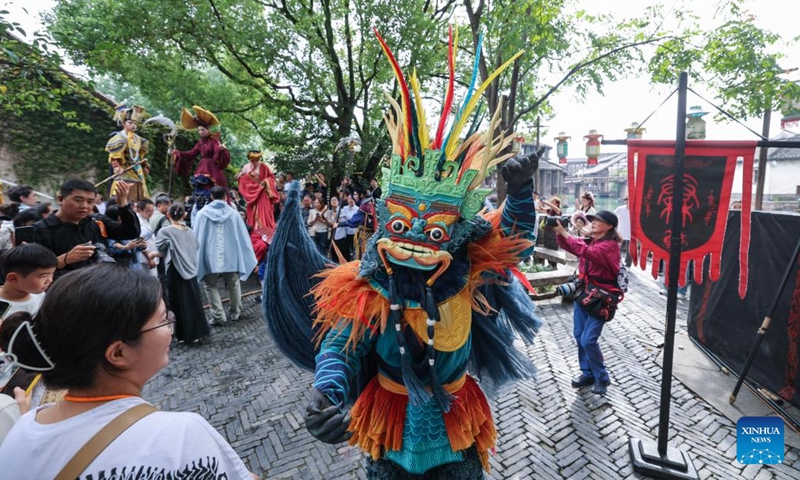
(103,439)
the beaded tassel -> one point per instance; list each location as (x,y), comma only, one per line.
(417,394)
(442,396)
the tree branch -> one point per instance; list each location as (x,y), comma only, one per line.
(576,69)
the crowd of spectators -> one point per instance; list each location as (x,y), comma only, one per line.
(102,258)
(339,224)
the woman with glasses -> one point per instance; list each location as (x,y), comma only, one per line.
(101,333)
(178,245)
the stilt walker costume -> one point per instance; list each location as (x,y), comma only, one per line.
(257,187)
(435,303)
(126,149)
(214,157)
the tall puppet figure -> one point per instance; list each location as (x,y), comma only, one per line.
(404,335)
(127,153)
(214,157)
(257,187)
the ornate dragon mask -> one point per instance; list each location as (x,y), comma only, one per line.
(433,182)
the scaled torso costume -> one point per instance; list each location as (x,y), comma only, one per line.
(434,304)
(126,149)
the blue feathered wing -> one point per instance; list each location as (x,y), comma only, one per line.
(292,263)
(494,355)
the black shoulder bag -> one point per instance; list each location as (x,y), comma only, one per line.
(599,302)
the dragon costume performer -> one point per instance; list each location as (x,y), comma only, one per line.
(400,339)
(214,157)
(127,152)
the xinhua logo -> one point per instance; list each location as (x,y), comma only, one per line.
(759,440)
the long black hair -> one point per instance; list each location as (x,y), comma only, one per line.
(83,313)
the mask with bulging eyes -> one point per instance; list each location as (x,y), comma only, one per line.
(417,232)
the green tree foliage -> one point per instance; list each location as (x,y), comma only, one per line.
(49,151)
(736,59)
(31,78)
(298,75)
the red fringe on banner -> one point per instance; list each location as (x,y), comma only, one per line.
(709,169)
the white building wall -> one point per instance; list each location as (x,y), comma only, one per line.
(783,178)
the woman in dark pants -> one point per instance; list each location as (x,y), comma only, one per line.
(599,261)
(178,244)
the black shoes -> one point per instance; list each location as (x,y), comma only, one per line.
(600,388)
(580,381)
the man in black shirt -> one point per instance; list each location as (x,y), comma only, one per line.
(72,232)
(376,189)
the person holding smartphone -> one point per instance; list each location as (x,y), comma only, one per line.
(73,233)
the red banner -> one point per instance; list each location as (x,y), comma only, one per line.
(709,168)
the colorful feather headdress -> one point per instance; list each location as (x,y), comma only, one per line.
(444,166)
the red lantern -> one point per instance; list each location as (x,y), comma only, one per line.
(592,146)
(562,147)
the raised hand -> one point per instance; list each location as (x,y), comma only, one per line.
(518,170)
(324,420)
(122,193)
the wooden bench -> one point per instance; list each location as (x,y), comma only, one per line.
(554,256)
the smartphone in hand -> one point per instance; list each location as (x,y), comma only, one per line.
(23,234)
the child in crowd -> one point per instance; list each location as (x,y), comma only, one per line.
(28,270)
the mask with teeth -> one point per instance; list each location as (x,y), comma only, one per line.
(433,180)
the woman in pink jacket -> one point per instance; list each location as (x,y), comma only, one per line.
(599,261)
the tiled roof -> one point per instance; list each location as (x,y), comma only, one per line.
(785,153)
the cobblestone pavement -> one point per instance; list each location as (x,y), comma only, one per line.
(255,397)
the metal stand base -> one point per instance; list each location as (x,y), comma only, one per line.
(676,464)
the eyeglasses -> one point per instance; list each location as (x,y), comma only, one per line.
(170,323)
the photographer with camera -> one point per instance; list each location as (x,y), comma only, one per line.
(76,237)
(599,264)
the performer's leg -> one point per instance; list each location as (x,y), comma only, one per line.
(212,293)
(387,470)
(470,469)
(235,292)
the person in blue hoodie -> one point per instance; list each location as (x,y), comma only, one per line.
(225,253)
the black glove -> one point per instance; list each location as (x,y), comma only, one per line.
(325,421)
(519,170)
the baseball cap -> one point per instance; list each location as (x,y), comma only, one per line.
(604,216)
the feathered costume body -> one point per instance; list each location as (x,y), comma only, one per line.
(435,301)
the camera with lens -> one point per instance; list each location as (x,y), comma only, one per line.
(100,254)
(569,288)
(555,220)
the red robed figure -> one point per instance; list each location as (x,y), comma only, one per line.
(213,160)
(257,187)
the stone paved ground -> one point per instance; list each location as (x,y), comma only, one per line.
(255,397)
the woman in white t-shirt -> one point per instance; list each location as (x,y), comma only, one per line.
(124,333)
(318,225)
